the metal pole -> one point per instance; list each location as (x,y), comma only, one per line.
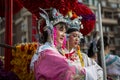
(8,32)
(7,46)
(102,43)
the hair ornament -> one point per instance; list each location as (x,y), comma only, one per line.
(57,17)
(75,21)
(46,17)
(88,17)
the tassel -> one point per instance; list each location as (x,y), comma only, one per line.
(80,56)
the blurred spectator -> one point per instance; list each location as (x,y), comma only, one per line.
(83,45)
(112,61)
(92,49)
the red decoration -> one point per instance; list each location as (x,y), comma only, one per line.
(22,47)
(64,6)
(88,17)
(33,6)
(74,16)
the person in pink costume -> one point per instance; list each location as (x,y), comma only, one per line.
(49,62)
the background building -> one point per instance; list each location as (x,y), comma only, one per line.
(2,34)
(110,10)
(22,27)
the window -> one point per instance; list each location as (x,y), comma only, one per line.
(113,5)
(111,28)
(93,2)
(112,41)
(24,39)
(0,19)
(2,23)
(80,0)
(117,42)
(85,1)
(103,28)
(116,30)
(108,14)
(2,40)
(23,27)
(106,28)
(118,5)
(103,3)
(96,3)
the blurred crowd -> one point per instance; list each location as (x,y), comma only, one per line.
(112,61)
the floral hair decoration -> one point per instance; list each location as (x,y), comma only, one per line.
(74,20)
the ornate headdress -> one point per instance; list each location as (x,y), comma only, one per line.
(57,17)
(74,21)
(54,17)
(51,19)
